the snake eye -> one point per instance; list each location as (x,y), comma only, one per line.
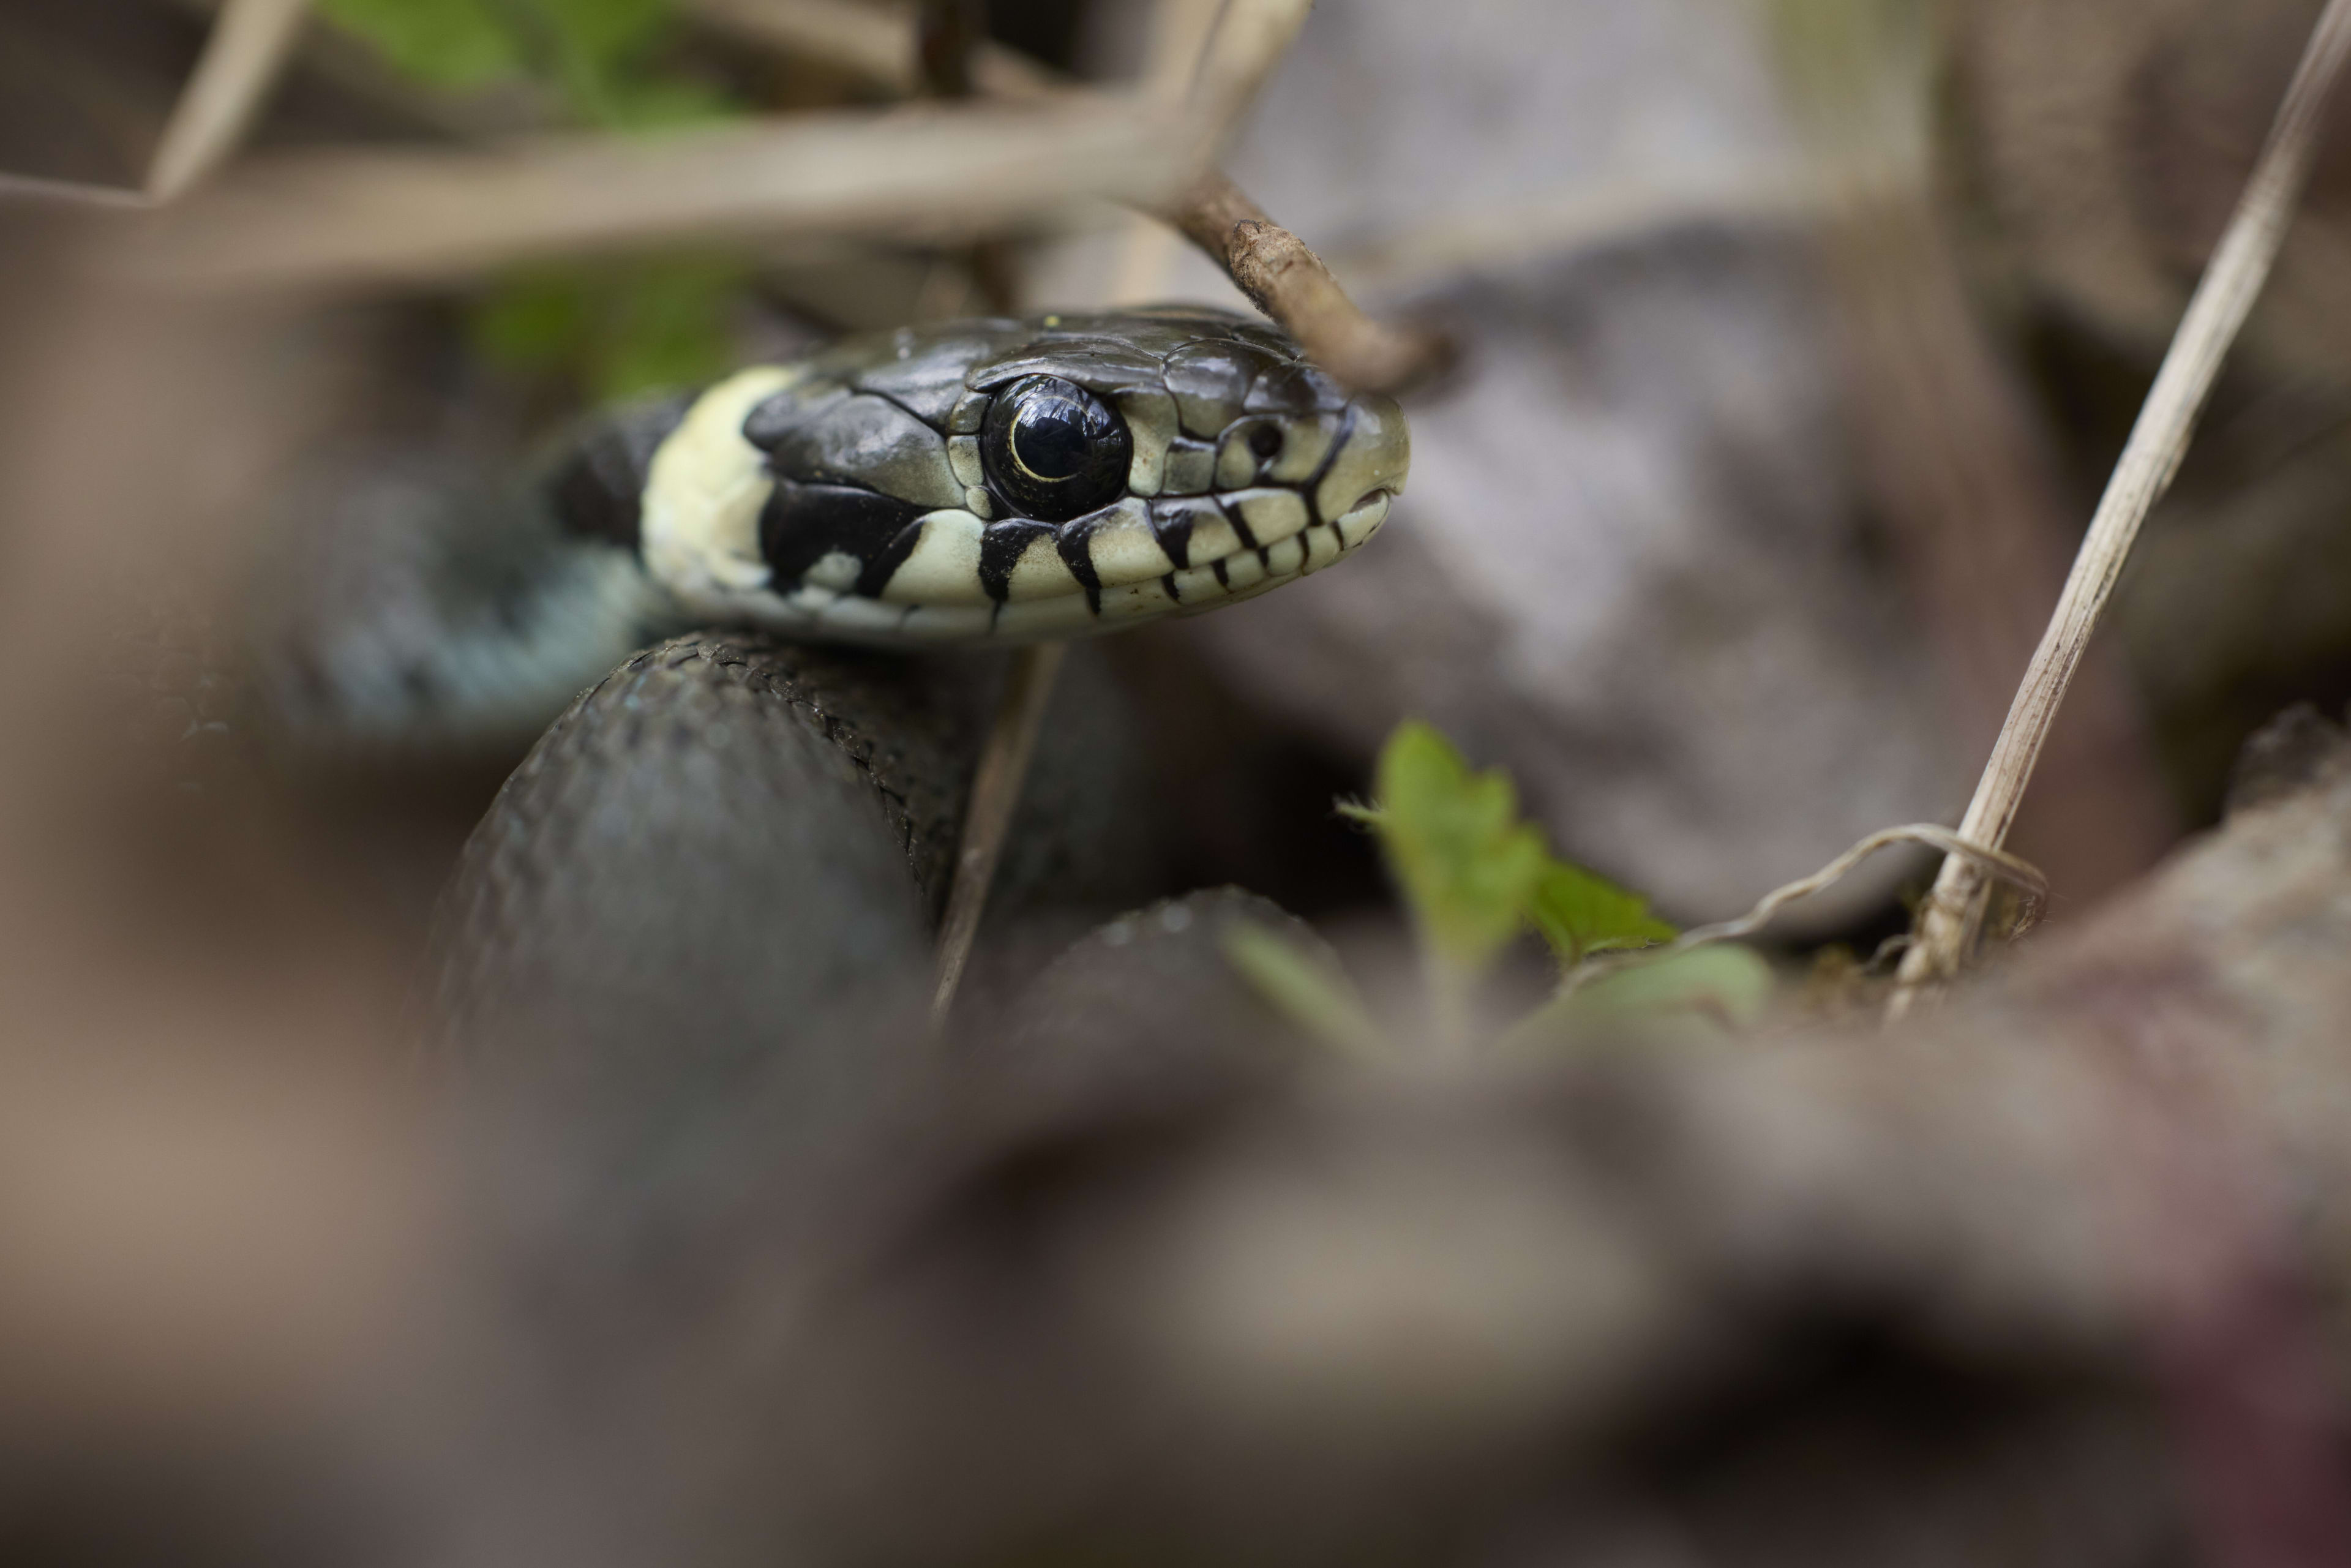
(1054,451)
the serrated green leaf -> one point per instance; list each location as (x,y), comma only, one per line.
(1305,990)
(1467,867)
(455,43)
(1580,914)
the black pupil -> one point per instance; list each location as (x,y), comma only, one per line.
(1265,441)
(1054,451)
(1051,436)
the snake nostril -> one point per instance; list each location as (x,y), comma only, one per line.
(1265,441)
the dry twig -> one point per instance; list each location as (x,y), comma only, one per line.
(1180,31)
(1290,283)
(995,792)
(1947,921)
(352,218)
(1249,41)
(1273,266)
(243,53)
(249,43)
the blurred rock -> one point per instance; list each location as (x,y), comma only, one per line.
(2290,754)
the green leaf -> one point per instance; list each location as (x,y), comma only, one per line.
(455,43)
(632,103)
(596,48)
(606,32)
(666,328)
(594,51)
(1580,914)
(614,331)
(1306,988)
(1708,993)
(537,321)
(1468,866)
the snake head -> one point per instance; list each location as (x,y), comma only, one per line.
(1019,480)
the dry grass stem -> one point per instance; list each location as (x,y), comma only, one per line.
(352,66)
(1246,45)
(69,193)
(2239,269)
(995,792)
(250,41)
(1180,30)
(365,217)
(1290,283)
(247,48)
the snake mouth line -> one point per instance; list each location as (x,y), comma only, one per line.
(1242,572)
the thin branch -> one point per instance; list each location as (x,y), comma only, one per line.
(1273,266)
(248,45)
(357,217)
(1290,283)
(2166,423)
(995,792)
(71,192)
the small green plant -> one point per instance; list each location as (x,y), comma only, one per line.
(1475,877)
(608,331)
(617,329)
(602,61)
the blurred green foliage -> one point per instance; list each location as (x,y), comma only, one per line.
(614,330)
(1706,993)
(609,331)
(1474,877)
(1307,989)
(455,45)
(1468,868)
(602,59)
